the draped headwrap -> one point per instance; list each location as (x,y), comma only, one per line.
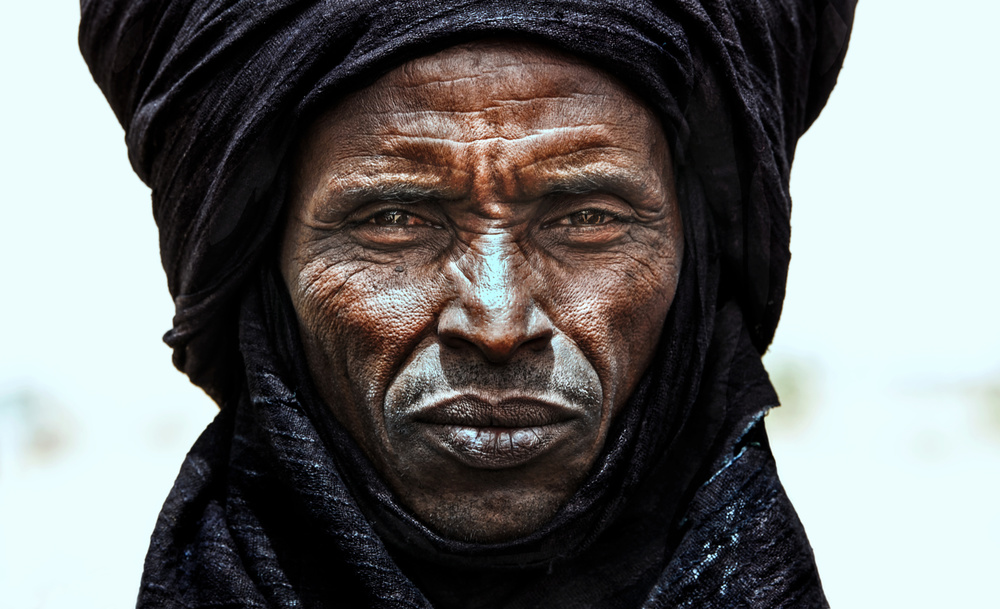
(275,504)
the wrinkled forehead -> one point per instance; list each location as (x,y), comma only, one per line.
(506,68)
(510,109)
(495,88)
(507,91)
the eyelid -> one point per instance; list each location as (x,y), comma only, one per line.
(566,205)
(368,211)
(567,220)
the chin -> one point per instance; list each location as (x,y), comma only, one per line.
(490,517)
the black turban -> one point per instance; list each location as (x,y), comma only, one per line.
(275,505)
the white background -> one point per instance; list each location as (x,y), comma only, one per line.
(887,356)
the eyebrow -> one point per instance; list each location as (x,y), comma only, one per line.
(397,191)
(620,181)
(613,178)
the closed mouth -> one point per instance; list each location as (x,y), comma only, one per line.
(506,434)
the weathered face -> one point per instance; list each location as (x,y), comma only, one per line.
(481,250)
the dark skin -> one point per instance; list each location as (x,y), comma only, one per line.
(481,250)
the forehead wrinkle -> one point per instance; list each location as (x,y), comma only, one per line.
(518,162)
(474,91)
(495,104)
(458,65)
(507,163)
(488,166)
(413,111)
(575,94)
(537,134)
(456,140)
(446,158)
(549,145)
(383,165)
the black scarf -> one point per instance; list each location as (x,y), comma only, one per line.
(275,505)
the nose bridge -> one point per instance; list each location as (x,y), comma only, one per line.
(494,307)
(494,286)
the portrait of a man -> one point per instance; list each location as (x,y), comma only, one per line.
(481,289)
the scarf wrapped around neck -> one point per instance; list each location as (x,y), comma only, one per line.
(275,506)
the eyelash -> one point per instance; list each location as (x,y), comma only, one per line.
(398,214)
(399,218)
(604,217)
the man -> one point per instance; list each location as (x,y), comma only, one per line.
(481,290)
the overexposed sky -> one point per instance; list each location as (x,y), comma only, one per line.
(887,356)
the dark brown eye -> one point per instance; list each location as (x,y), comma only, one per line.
(392,217)
(589,217)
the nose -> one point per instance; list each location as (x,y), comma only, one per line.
(494,310)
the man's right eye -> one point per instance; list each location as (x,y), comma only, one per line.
(396,217)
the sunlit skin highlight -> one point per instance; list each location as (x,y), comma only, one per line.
(481,250)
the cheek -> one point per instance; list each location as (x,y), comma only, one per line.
(614,310)
(365,317)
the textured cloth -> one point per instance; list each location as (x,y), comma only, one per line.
(275,505)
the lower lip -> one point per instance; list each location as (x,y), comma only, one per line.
(496,447)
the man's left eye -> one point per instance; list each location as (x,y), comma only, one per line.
(590,217)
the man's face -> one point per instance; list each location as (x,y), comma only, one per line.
(481,250)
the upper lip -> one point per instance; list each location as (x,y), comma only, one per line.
(511,412)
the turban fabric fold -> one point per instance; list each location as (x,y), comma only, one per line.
(275,505)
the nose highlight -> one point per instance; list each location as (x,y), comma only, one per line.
(494,311)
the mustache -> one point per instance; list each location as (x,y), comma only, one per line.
(559,374)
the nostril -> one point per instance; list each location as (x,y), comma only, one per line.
(538,343)
(502,348)
(495,338)
(454,341)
